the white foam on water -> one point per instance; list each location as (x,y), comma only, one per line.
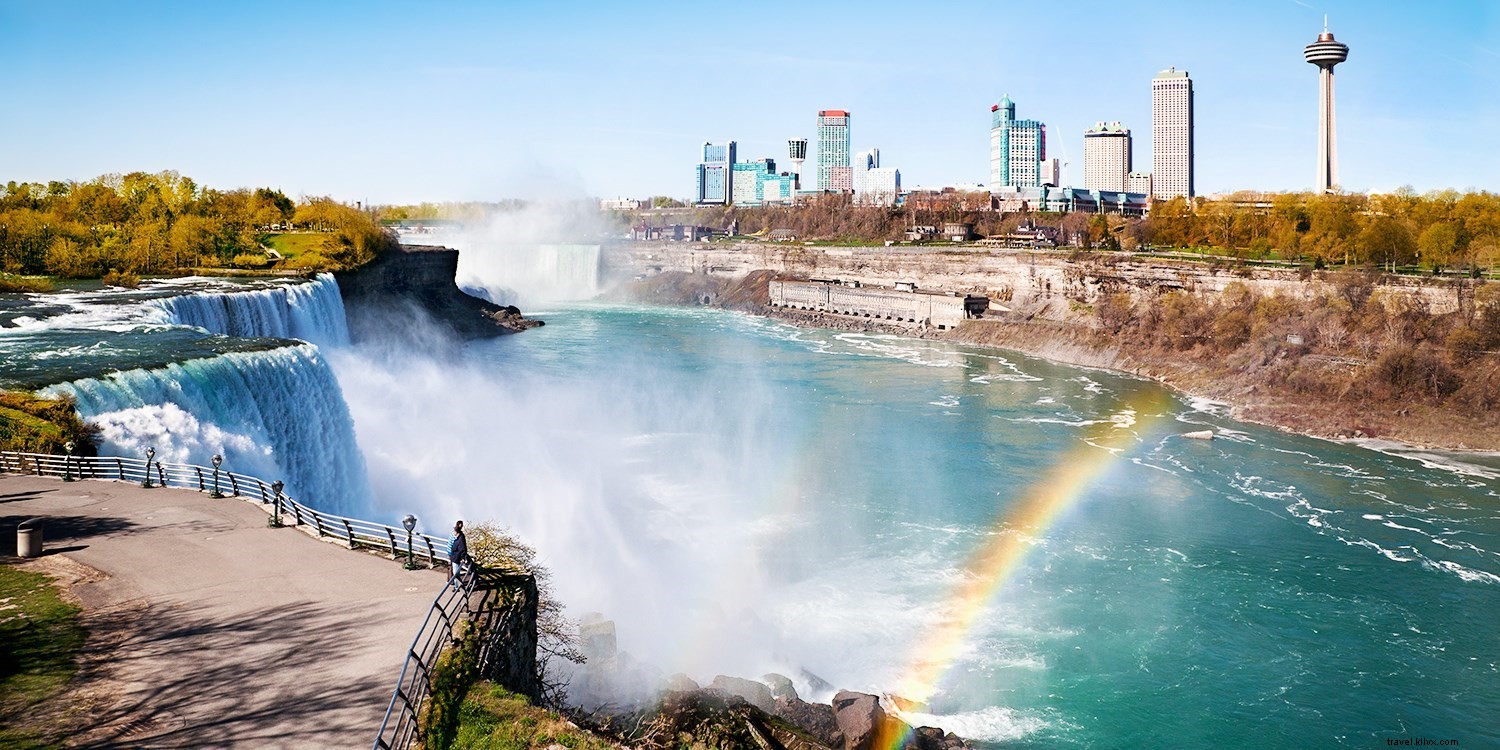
(993,724)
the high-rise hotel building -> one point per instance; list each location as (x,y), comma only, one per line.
(716,173)
(1017,148)
(1171,134)
(834,172)
(1106,157)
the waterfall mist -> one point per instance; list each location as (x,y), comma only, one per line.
(643,496)
(542,252)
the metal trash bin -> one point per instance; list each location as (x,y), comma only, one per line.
(29,538)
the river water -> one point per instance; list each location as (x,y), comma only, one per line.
(1031,551)
(742,496)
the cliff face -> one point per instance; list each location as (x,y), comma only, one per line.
(419,280)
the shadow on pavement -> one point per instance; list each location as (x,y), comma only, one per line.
(275,676)
(57,529)
(14,497)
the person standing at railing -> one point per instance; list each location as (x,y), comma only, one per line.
(458,551)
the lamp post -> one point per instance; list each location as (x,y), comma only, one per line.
(275,521)
(150,454)
(68,461)
(410,522)
(218,459)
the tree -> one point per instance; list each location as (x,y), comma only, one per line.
(1387,242)
(1438,244)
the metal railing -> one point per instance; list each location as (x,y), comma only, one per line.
(352,531)
(504,609)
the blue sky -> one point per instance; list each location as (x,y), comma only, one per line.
(401,102)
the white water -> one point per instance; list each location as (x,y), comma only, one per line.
(529,274)
(313,312)
(276,414)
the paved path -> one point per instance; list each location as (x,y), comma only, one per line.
(211,630)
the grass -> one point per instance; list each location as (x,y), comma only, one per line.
(29,423)
(310,250)
(493,718)
(10,282)
(40,637)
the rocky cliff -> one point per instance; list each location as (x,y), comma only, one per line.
(418,282)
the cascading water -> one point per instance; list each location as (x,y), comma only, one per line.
(529,274)
(313,312)
(276,414)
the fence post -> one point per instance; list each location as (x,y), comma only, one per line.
(431,556)
(297,512)
(200,477)
(317,523)
(120,468)
(161,475)
(350,531)
(262,486)
(234,485)
(392,534)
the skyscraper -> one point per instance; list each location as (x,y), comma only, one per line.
(716,173)
(1326,53)
(833,151)
(1171,134)
(1106,156)
(1017,148)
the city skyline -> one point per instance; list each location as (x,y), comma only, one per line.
(479,102)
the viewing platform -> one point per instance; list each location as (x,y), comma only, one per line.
(904,304)
(209,629)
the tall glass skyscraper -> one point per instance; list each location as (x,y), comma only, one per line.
(834,172)
(716,173)
(1017,148)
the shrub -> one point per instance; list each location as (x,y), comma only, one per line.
(1408,372)
(119,278)
(249,260)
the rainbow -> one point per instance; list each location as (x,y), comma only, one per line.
(1004,552)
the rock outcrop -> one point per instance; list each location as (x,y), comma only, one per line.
(397,289)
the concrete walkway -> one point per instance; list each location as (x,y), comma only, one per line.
(209,629)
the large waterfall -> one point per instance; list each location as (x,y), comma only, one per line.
(276,414)
(313,312)
(530,274)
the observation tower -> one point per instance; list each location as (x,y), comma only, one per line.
(1326,53)
(796,151)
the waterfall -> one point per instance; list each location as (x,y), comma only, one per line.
(528,274)
(313,312)
(274,414)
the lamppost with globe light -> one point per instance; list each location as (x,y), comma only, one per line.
(275,521)
(410,522)
(218,459)
(150,454)
(68,461)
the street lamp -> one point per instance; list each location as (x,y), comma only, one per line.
(68,462)
(150,454)
(275,521)
(410,522)
(218,459)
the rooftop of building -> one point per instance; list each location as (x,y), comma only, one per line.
(1107,128)
(1171,72)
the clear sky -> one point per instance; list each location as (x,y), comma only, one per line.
(402,102)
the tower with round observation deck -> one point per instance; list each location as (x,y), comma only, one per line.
(1326,53)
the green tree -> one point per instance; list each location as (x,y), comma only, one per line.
(1438,245)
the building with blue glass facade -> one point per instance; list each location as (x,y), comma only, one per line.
(715,174)
(1017,148)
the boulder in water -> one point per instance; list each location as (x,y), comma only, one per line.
(860,718)
(1199,435)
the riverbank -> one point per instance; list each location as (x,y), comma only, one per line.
(1282,385)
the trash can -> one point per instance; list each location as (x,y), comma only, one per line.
(29,538)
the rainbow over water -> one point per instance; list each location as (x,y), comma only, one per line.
(1004,552)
